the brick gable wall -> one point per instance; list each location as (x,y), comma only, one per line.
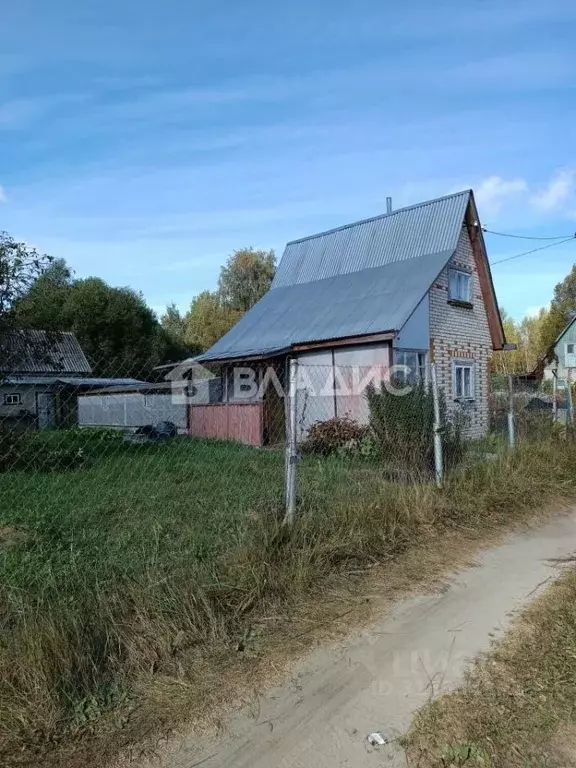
(459,333)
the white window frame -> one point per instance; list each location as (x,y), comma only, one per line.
(569,344)
(464,365)
(13,398)
(456,283)
(400,358)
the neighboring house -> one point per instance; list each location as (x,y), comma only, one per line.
(562,355)
(407,287)
(41,375)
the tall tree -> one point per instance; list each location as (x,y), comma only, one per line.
(41,306)
(20,267)
(174,323)
(530,346)
(119,333)
(246,277)
(208,319)
(562,308)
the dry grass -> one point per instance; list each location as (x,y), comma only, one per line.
(517,708)
(86,674)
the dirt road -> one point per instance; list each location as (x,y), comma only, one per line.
(321,717)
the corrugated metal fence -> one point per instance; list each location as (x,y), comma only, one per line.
(129,410)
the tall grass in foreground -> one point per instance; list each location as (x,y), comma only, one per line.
(155,554)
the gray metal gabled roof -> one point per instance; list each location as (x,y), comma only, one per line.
(363,278)
(406,233)
(374,300)
(34,351)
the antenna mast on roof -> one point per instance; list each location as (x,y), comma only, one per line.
(388,205)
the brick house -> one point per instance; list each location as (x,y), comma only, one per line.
(406,288)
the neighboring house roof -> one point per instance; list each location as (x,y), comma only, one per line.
(33,351)
(566,328)
(132,386)
(75,381)
(550,359)
(364,278)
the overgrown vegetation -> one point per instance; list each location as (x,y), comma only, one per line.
(126,565)
(518,704)
(404,429)
(329,436)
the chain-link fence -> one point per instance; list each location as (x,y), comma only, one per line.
(183,436)
(524,408)
(142,512)
(375,424)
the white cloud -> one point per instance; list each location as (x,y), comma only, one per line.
(559,190)
(494,191)
(535,310)
(3,198)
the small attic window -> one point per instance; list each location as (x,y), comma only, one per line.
(460,286)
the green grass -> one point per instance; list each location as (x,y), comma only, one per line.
(121,566)
(104,565)
(517,708)
(127,504)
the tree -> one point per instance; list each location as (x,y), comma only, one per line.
(20,266)
(173,323)
(119,333)
(41,306)
(562,308)
(208,319)
(534,345)
(246,277)
(507,362)
(528,337)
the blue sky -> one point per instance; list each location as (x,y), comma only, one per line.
(145,141)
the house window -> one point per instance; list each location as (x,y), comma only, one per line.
(12,399)
(460,285)
(569,349)
(464,385)
(412,366)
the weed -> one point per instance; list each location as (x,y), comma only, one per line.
(327,437)
(147,556)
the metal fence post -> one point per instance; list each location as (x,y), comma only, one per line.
(511,430)
(291,444)
(570,418)
(438,459)
(554,397)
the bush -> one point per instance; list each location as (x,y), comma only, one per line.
(22,449)
(12,442)
(326,437)
(366,448)
(404,427)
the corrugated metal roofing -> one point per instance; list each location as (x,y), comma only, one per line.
(363,278)
(370,301)
(33,351)
(75,381)
(99,382)
(407,233)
